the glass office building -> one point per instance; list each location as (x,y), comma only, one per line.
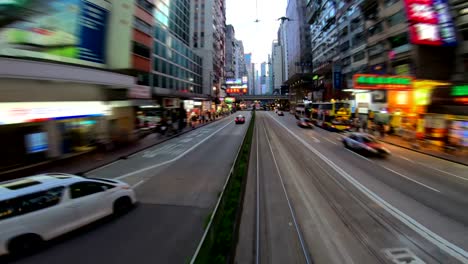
(175,65)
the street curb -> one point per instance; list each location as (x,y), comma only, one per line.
(82,173)
(425,153)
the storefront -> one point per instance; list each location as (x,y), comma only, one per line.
(446,121)
(35,131)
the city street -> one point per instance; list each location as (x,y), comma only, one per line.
(177,184)
(350,208)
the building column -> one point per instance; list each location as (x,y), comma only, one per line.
(54,139)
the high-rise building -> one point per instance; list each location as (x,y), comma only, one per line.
(208,40)
(240,68)
(234,63)
(177,69)
(299,52)
(339,48)
(250,73)
(460,9)
(277,76)
(396,43)
(230,61)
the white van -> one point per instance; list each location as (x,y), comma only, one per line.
(38,208)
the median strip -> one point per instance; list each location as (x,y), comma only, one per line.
(218,242)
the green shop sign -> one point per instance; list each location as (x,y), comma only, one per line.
(460,90)
(382,80)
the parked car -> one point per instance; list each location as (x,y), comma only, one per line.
(305,122)
(366,143)
(39,208)
(240,119)
(280,113)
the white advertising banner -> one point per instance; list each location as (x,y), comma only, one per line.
(14,113)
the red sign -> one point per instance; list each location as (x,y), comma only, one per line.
(421,11)
(430,22)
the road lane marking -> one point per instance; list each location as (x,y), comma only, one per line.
(443,244)
(173,159)
(137,184)
(304,250)
(448,173)
(360,156)
(316,140)
(401,157)
(257,259)
(434,168)
(413,180)
(333,142)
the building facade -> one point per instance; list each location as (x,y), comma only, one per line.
(230,61)
(298,52)
(57,101)
(250,68)
(277,78)
(208,40)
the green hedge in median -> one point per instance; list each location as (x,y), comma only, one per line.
(219,244)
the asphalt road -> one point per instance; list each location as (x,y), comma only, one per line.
(357,204)
(177,184)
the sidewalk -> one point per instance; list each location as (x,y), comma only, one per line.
(78,164)
(431,150)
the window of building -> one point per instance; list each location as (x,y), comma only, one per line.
(147,6)
(164,67)
(142,26)
(359,56)
(376,49)
(346,61)
(399,40)
(141,49)
(358,39)
(390,2)
(375,29)
(397,18)
(344,46)
(142,78)
(356,23)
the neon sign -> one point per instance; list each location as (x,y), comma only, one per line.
(460,90)
(380,82)
(430,22)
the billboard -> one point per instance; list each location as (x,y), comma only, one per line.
(430,22)
(71,31)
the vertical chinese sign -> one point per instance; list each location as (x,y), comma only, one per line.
(430,22)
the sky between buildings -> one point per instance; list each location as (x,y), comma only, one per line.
(257,37)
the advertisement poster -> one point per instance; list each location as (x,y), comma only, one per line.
(36,142)
(71,31)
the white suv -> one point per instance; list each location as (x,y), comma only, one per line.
(38,208)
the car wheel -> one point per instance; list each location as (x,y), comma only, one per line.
(122,205)
(25,244)
(345,144)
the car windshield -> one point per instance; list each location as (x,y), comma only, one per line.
(368,139)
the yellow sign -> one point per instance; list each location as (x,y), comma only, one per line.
(402,69)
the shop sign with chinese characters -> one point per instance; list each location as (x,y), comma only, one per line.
(430,22)
(382,82)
